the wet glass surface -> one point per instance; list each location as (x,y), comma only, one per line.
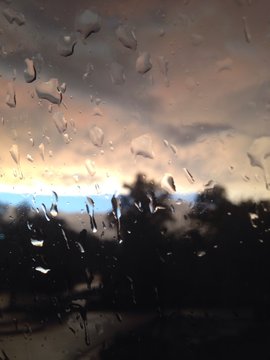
(134,179)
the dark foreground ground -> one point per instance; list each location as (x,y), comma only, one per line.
(179,334)
(196,334)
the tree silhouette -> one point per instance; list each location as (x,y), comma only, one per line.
(144,212)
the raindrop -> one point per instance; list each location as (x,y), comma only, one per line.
(64,236)
(119,316)
(209,184)
(138,205)
(96,135)
(200,253)
(97,111)
(88,72)
(87,22)
(162,32)
(49,90)
(254,219)
(29,158)
(42,269)
(246,30)
(67,139)
(30,71)
(90,166)
(14,152)
(91,214)
(143,63)
(63,88)
(173,148)
(116,210)
(224,64)
(152,207)
(44,209)
(165,142)
(11,95)
(189,176)
(41,149)
(80,247)
(60,121)
(142,145)
(167,183)
(66,44)
(258,152)
(54,209)
(116,207)
(14,16)
(37,243)
(117,73)
(163,65)
(126,37)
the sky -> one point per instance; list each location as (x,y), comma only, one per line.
(192,93)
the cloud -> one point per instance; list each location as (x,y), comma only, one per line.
(210,115)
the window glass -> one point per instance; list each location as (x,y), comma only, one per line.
(134,178)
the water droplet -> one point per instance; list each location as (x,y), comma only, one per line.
(119,316)
(163,65)
(165,142)
(117,73)
(116,210)
(97,111)
(189,176)
(254,219)
(90,166)
(126,37)
(11,95)
(66,43)
(87,22)
(60,121)
(44,209)
(67,138)
(37,243)
(49,90)
(116,207)
(246,30)
(142,145)
(224,64)
(167,183)
(91,214)
(30,71)
(258,152)
(200,253)
(29,158)
(54,209)
(41,149)
(42,269)
(138,205)
(64,236)
(14,74)
(143,63)
(173,148)
(80,247)
(152,207)
(96,135)
(14,152)
(14,16)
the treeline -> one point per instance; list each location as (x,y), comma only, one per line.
(220,259)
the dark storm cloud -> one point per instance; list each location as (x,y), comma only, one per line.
(189,134)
